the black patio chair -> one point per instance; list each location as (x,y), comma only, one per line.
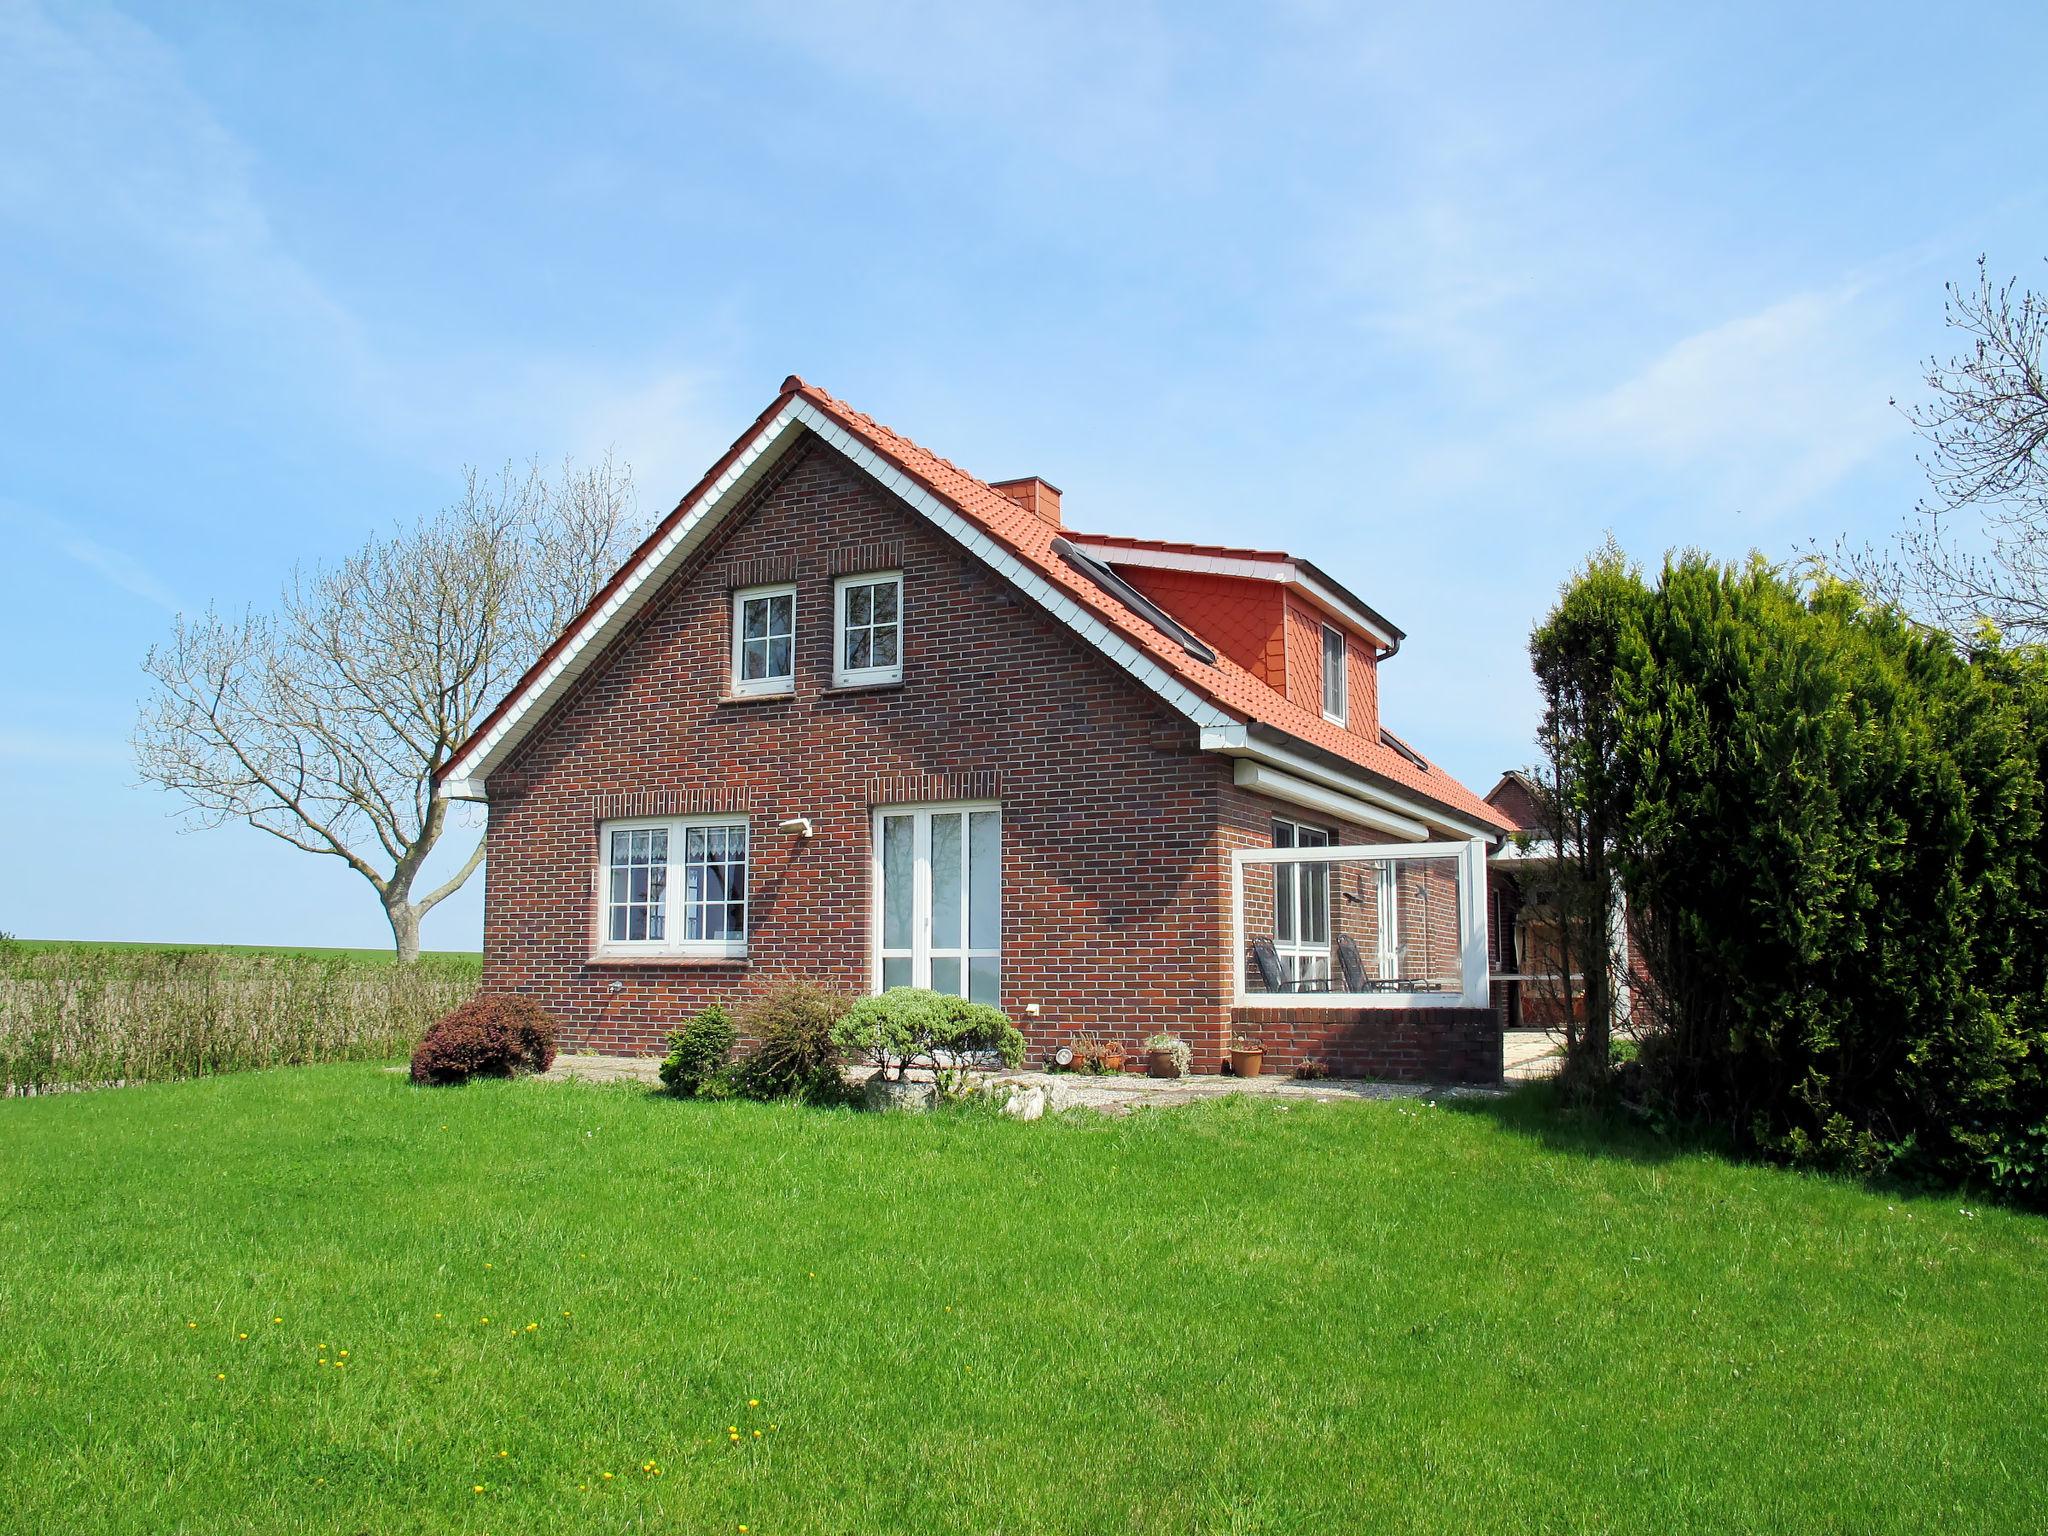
(1275,976)
(1348,961)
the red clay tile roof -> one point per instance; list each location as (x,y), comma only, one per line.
(1223,681)
(1030,537)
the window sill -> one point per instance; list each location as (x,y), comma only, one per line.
(891,685)
(725,962)
(783,696)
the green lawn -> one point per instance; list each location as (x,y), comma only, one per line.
(1235,1317)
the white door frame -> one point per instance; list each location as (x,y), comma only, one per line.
(920,955)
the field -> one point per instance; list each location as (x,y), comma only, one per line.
(322,1300)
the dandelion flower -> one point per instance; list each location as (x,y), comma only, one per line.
(530,1327)
(503,1454)
(343,1355)
(437,1317)
(606,1476)
(241,1335)
(757,1434)
(220,1375)
(753,1402)
(277,1319)
(191,1325)
(565,1314)
(476,1487)
(483,1319)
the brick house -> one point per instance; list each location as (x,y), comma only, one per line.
(850,714)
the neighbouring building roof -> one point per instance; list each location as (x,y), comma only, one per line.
(1026,546)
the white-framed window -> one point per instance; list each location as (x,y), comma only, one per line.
(868,620)
(764,639)
(673,885)
(1336,677)
(1301,905)
(938,886)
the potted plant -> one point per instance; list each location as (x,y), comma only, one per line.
(1167,1056)
(1246,1056)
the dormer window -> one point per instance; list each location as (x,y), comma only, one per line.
(1336,679)
(764,640)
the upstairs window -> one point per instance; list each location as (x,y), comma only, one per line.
(869,620)
(764,640)
(1336,677)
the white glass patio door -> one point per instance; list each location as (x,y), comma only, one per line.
(938,899)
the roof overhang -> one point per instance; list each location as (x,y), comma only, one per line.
(1284,570)
(1276,749)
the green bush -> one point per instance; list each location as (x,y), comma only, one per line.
(1829,828)
(910,1027)
(795,1055)
(698,1052)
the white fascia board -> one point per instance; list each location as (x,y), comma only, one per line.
(586,644)
(475,765)
(1276,785)
(1285,572)
(1238,741)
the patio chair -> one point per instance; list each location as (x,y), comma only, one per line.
(1274,974)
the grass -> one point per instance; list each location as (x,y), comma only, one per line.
(1235,1317)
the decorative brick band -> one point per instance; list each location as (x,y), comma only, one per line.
(671,802)
(911,788)
(852,559)
(760,573)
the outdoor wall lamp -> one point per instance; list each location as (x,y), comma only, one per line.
(800,825)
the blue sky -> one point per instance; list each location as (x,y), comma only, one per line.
(1436,296)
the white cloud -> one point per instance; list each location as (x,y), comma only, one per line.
(109,160)
(1773,408)
(111,565)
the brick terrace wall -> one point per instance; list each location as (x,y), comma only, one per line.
(1413,1045)
(1114,894)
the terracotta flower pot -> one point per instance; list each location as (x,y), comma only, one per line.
(1160,1064)
(1246,1063)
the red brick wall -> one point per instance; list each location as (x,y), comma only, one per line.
(1112,917)
(1115,888)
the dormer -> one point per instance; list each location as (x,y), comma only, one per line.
(1279,618)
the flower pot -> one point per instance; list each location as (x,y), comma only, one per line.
(1246,1063)
(1161,1064)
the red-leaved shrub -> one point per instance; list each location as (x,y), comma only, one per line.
(486,1037)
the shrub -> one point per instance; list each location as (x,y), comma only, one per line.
(796,1056)
(486,1037)
(1311,1069)
(94,1014)
(697,1052)
(1829,827)
(910,1027)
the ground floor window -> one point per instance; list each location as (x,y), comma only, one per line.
(673,885)
(938,884)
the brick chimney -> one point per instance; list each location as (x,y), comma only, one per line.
(1033,495)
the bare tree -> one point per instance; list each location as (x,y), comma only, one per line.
(1977,552)
(323,721)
